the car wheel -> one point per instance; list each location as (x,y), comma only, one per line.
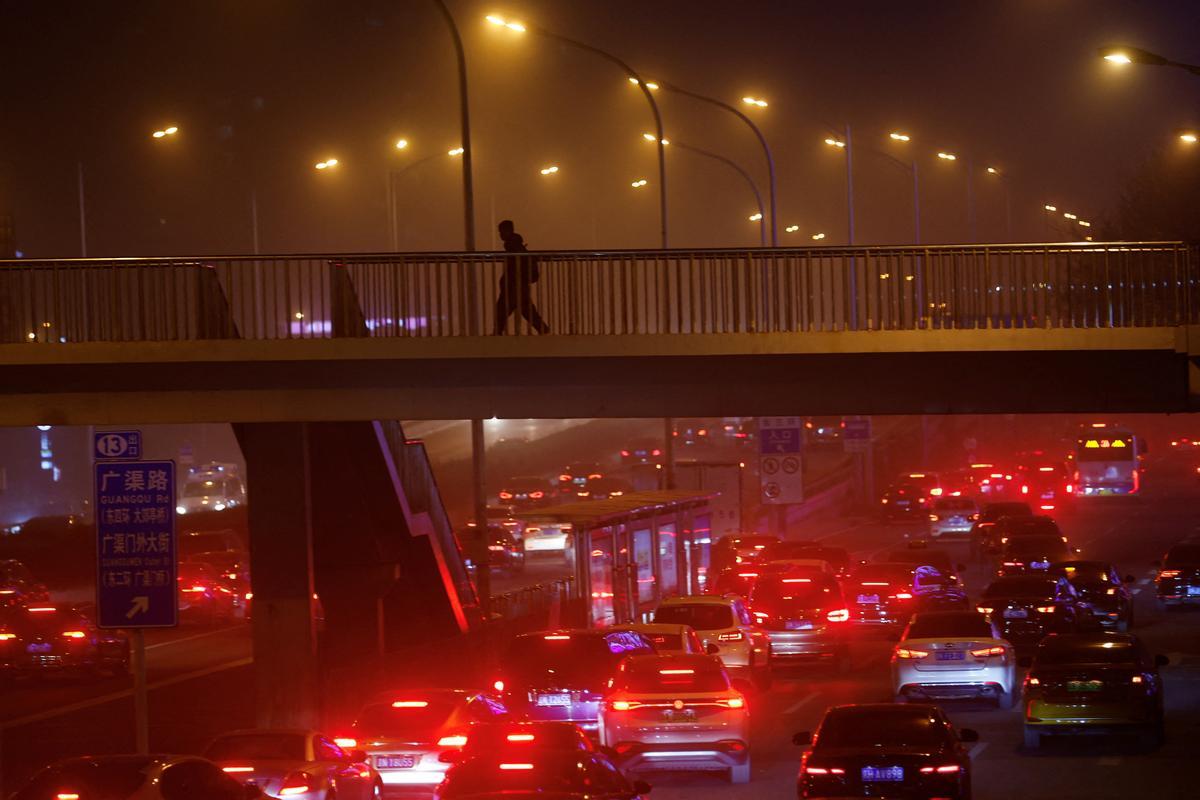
(1006,700)
(1033,739)
(740,773)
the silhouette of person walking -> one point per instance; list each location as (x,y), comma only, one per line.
(516,285)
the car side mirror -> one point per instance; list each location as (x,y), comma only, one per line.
(802,739)
(711,649)
(968,735)
(358,755)
(1130,579)
(252,791)
(1161,661)
(641,787)
(1025,662)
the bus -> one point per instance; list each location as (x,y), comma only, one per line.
(1108,461)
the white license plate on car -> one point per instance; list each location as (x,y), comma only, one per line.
(1015,613)
(395,762)
(866,599)
(798,625)
(558,699)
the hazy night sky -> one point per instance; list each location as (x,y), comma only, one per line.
(263,89)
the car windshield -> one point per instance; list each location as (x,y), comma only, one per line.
(884,573)
(702,616)
(779,594)
(1184,554)
(570,657)
(1050,548)
(869,728)
(954,504)
(658,677)
(258,747)
(936,626)
(412,719)
(994,511)
(540,774)
(108,779)
(1111,652)
(1021,586)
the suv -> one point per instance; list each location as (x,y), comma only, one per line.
(805,617)
(1178,580)
(676,712)
(726,623)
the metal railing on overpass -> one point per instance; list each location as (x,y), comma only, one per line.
(1084,285)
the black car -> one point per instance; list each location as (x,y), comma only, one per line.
(506,553)
(989,515)
(1033,553)
(1012,527)
(562,775)
(904,501)
(605,489)
(56,639)
(1100,683)
(886,750)
(1101,587)
(524,492)
(1025,608)
(1178,581)
(881,594)
(560,675)
(575,477)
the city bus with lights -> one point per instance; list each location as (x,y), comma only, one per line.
(1107,461)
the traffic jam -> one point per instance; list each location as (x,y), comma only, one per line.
(975,593)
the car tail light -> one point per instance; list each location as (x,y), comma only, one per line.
(677,672)
(410,704)
(237,770)
(537,495)
(797,580)
(498,685)
(51,609)
(1024,490)
(1166,573)
(520,737)
(1046,507)
(936,491)
(656,452)
(1013,564)
(984,652)
(946,770)
(348,742)
(456,740)
(921,500)
(904,595)
(296,783)
(1137,679)
(747,574)
(4,637)
(984,609)
(737,701)
(564,478)
(934,517)
(516,767)
(904,652)
(557,637)
(67,796)
(506,495)
(973,517)
(623,705)
(1111,590)
(74,635)
(1032,681)
(625,453)
(1069,488)
(761,615)
(496,548)
(1045,609)
(838,615)
(824,771)
(736,636)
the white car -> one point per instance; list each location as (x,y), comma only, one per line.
(952,516)
(676,713)
(297,764)
(945,655)
(125,777)
(726,623)
(668,639)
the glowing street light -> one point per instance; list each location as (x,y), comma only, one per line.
(1118,58)
(755,101)
(165,132)
(550,170)
(1123,55)
(1085,223)
(504,23)
(1189,138)
(650,137)
(947,156)
(326,164)
(1050,208)
(834,142)
(1069,215)
(755,217)
(651,85)
(639,183)
(458,151)
(792,228)
(899,137)
(993,171)
(401,144)
(818,237)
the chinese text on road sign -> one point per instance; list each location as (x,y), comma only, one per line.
(135,544)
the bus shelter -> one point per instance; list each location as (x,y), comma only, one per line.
(633,551)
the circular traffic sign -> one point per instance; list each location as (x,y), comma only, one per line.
(770,466)
(771,490)
(791,465)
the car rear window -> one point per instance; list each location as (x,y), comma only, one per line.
(107,780)
(557,773)
(1082,573)
(664,678)
(873,728)
(933,626)
(795,592)
(408,719)
(1047,547)
(702,616)
(954,504)
(258,746)
(1021,586)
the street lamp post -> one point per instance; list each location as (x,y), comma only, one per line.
(1122,54)
(762,222)
(629,71)
(464,114)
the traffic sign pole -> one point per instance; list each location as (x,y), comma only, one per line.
(141,694)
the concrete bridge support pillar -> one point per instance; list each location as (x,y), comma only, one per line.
(281,566)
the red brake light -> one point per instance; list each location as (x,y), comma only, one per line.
(232,770)
(946,770)
(824,771)
(4,637)
(537,495)
(656,452)
(904,652)
(838,615)
(517,767)
(904,595)
(564,477)
(936,491)
(294,784)
(457,740)
(737,701)
(623,705)
(731,637)
(74,635)
(1045,609)
(1024,490)
(411,704)
(1169,573)
(506,495)
(984,652)
(41,609)
(625,453)
(520,737)
(498,686)
(348,742)
(67,796)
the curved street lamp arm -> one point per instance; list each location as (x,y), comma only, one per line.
(762,230)
(465,117)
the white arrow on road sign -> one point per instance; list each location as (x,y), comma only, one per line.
(141,605)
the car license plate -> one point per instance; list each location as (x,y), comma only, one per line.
(395,762)
(951,655)
(39,647)
(1039,565)
(1193,591)
(1015,613)
(1084,686)
(868,598)
(957,520)
(558,699)
(798,625)
(881,774)
(903,503)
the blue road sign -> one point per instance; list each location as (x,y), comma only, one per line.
(119,445)
(135,544)
(779,435)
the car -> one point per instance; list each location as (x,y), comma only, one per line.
(928,482)
(904,501)
(1093,683)
(1012,527)
(563,776)
(129,777)
(824,431)
(667,639)
(524,492)
(989,515)
(232,570)
(605,488)
(1178,580)
(881,594)
(205,596)
(727,624)
(945,655)
(506,553)
(1185,443)
(1032,553)
(994,482)
(404,733)
(837,557)
(1102,588)
(934,590)
(642,451)
(1050,485)
(58,639)
(1027,607)
(18,586)
(885,750)
(693,433)
(578,476)
(952,516)
(746,548)
(805,618)
(736,580)
(676,712)
(561,675)
(212,492)
(298,764)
